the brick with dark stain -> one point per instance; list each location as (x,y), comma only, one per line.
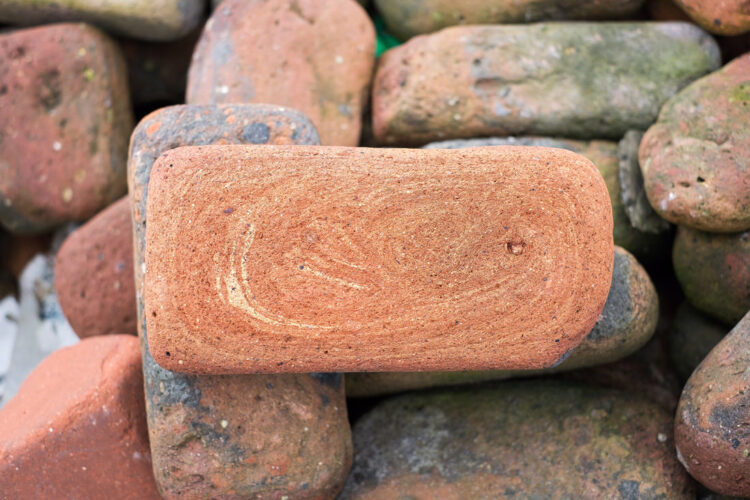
(65,125)
(533,439)
(234,436)
(712,426)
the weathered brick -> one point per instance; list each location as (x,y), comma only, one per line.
(77,428)
(65,120)
(316,56)
(234,436)
(541,439)
(94,274)
(576,80)
(408,18)
(714,271)
(711,426)
(696,158)
(145,19)
(353,259)
(723,17)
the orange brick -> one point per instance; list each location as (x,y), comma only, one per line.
(296,259)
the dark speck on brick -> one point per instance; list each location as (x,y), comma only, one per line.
(256,133)
(629,490)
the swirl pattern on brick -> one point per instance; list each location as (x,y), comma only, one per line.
(286,259)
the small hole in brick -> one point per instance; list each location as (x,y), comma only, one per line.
(700,179)
(516,247)
(169,354)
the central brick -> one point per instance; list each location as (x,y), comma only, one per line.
(297,259)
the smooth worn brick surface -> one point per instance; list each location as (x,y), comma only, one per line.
(576,80)
(64,125)
(316,56)
(94,274)
(330,259)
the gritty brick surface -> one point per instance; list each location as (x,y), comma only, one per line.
(64,125)
(77,427)
(328,259)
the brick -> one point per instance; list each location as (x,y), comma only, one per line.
(538,439)
(607,156)
(158,21)
(316,56)
(354,259)
(695,157)
(725,17)
(711,424)
(94,274)
(575,80)
(714,272)
(408,18)
(252,436)
(77,429)
(64,125)
(626,323)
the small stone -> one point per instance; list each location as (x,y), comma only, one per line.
(692,335)
(94,274)
(285,52)
(77,427)
(516,440)
(576,80)
(723,17)
(282,432)
(408,18)
(361,259)
(63,137)
(158,21)
(627,322)
(714,271)
(696,158)
(711,425)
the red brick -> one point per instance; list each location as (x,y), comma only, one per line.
(316,56)
(94,274)
(694,159)
(711,425)
(77,427)
(723,17)
(294,259)
(65,120)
